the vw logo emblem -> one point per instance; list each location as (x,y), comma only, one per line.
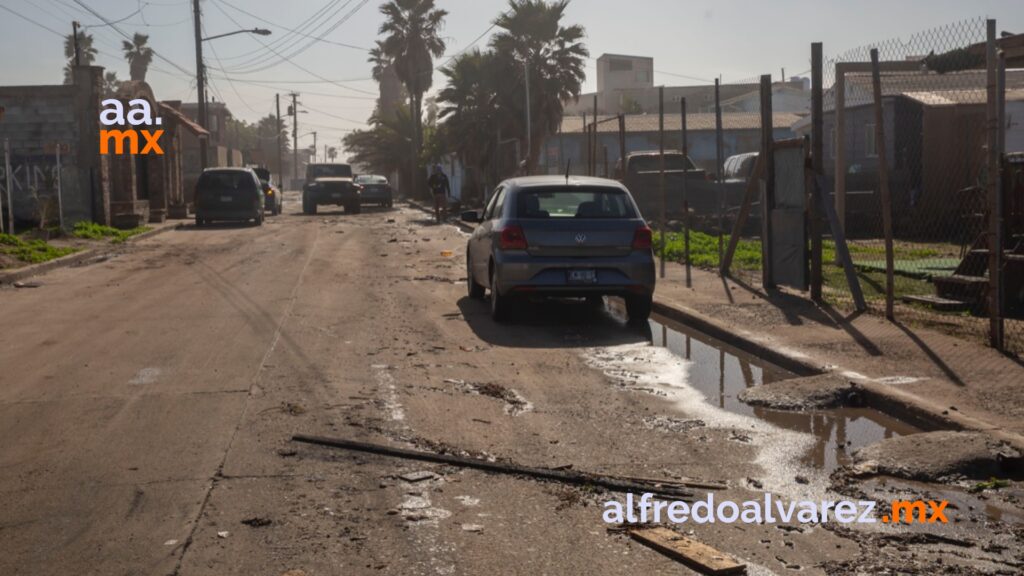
(581,238)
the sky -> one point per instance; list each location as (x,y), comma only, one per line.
(691,41)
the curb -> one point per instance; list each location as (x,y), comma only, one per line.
(697,321)
(24,272)
(914,410)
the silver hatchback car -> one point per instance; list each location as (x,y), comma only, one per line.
(558,236)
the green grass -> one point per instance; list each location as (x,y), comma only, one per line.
(94,231)
(704,250)
(31,251)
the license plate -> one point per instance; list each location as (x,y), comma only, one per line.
(336,195)
(582,276)
(227,198)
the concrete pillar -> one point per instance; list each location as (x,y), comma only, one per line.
(89,168)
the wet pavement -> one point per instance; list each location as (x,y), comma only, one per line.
(720,372)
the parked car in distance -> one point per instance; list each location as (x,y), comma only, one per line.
(562,237)
(330,184)
(376,190)
(229,194)
(273,200)
(740,168)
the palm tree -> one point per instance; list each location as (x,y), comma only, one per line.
(87,53)
(110,84)
(412,40)
(332,153)
(469,108)
(533,38)
(138,55)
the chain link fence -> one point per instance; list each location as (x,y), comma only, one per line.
(934,137)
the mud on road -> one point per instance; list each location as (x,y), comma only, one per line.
(153,397)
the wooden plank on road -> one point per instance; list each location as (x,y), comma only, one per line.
(700,557)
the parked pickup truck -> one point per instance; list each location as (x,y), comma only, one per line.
(642,178)
(704,195)
(330,184)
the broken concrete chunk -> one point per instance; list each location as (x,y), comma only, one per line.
(820,392)
(938,456)
(417,476)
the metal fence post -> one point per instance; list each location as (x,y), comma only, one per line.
(883,186)
(817,167)
(995,247)
(768,190)
(60,196)
(718,172)
(686,198)
(622,147)
(661,172)
(10,186)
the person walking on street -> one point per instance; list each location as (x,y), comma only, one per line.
(441,189)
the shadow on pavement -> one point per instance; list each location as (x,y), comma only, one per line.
(552,323)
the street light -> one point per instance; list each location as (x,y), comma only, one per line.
(260,31)
(201,75)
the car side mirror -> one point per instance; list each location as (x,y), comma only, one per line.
(470,216)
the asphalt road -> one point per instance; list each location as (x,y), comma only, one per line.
(147,404)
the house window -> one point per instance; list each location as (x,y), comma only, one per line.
(870,150)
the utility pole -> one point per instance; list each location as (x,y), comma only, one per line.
(200,84)
(74,36)
(529,124)
(280,150)
(295,136)
(314,147)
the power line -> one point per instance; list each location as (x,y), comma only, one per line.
(286,39)
(318,38)
(293,63)
(23,17)
(297,51)
(230,83)
(127,37)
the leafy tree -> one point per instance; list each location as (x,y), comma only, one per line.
(532,37)
(87,53)
(470,113)
(412,39)
(138,55)
(384,147)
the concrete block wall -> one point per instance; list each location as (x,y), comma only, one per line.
(36,120)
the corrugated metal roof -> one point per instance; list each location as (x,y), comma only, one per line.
(954,97)
(694,122)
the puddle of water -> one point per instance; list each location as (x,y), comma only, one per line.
(720,373)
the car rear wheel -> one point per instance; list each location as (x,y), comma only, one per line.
(639,308)
(499,304)
(308,206)
(200,222)
(476,291)
(354,208)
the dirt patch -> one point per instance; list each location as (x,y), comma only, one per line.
(821,392)
(938,457)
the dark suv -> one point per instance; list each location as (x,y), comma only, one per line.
(229,194)
(330,184)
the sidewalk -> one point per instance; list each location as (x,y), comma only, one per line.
(930,379)
(911,371)
(91,250)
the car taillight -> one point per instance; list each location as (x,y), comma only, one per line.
(642,238)
(512,238)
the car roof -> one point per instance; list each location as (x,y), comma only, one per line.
(561,181)
(228,169)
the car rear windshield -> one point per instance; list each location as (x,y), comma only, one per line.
(328,171)
(371,180)
(573,203)
(653,162)
(233,180)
